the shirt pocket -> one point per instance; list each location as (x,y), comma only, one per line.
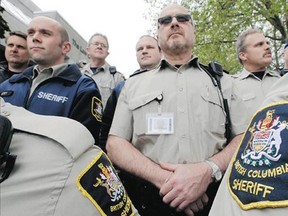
(213,113)
(105,85)
(142,105)
(248,96)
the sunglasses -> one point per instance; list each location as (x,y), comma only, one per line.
(179,17)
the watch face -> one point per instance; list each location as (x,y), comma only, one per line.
(218,175)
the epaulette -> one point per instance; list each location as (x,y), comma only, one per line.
(139,71)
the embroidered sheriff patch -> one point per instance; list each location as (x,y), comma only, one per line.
(259,173)
(96,108)
(102,186)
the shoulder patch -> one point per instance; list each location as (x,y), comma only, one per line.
(259,173)
(100,183)
(96,108)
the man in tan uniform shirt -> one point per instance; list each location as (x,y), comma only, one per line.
(255,80)
(174,114)
(255,183)
(105,76)
(148,56)
(58,170)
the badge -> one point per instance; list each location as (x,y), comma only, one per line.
(100,183)
(259,173)
(96,108)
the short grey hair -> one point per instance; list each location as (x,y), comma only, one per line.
(101,35)
(240,43)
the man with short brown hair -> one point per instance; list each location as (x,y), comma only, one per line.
(16,54)
(253,50)
(53,87)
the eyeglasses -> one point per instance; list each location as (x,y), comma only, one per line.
(99,44)
(179,17)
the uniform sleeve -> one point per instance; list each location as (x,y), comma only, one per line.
(123,119)
(87,109)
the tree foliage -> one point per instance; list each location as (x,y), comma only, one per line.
(218,24)
(3,24)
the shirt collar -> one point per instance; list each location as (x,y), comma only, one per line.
(193,62)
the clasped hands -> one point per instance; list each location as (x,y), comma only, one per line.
(184,188)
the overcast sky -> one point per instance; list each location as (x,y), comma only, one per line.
(120,20)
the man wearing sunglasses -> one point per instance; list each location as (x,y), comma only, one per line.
(16,54)
(168,130)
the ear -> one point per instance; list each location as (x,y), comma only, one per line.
(66,47)
(157,38)
(242,56)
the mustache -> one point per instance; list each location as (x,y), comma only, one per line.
(268,52)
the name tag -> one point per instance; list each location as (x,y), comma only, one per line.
(160,123)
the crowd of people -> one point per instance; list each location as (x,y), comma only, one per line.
(175,138)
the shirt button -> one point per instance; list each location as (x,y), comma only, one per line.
(180,89)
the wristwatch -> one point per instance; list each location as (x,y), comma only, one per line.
(216,172)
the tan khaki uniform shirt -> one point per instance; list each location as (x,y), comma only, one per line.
(51,154)
(279,91)
(189,94)
(105,81)
(254,90)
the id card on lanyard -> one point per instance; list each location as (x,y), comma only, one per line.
(160,123)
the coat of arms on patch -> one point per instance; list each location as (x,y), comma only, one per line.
(265,140)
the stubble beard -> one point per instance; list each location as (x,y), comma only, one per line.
(177,47)
(17,64)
